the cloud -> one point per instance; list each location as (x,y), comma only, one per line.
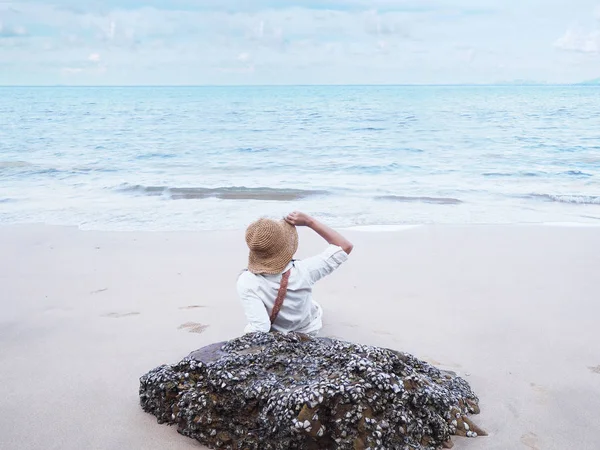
(71,70)
(7,31)
(237,70)
(242,64)
(92,66)
(287,41)
(467,54)
(247,6)
(243,57)
(579,41)
(84,71)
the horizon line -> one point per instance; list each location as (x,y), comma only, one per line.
(524,84)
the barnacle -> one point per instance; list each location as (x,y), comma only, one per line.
(273,391)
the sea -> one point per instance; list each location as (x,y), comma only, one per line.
(207,158)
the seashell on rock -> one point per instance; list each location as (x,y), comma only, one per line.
(269,391)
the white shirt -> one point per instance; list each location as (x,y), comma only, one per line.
(299,311)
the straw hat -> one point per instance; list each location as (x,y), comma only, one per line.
(272,245)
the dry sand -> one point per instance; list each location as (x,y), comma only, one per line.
(514,309)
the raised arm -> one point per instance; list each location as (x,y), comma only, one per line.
(330,235)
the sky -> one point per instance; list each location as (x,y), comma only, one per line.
(242,42)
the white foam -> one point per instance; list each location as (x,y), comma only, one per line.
(571,224)
(380,228)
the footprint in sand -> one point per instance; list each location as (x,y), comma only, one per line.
(383,333)
(541,391)
(114,315)
(530,440)
(98,291)
(193,327)
(513,409)
(537,387)
(595,369)
(192,307)
(433,362)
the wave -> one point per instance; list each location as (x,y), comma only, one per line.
(411,149)
(253,150)
(377,169)
(225,193)
(27,168)
(577,148)
(92,169)
(156,155)
(574,199)
(24,168)
(573,173)
(367,129)
(577,173)
(13,164)
(434,200)
(511,174)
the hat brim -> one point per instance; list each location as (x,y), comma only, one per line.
(275,264)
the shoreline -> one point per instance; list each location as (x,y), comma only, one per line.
(372,228)
(512,308)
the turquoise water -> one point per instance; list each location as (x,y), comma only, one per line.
(217,157)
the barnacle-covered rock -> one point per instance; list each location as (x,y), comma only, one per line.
(270,391)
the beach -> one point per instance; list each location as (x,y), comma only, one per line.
(458,151)
(511,308)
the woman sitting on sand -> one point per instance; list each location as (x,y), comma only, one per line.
(276,290)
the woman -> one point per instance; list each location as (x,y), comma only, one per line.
(276,290)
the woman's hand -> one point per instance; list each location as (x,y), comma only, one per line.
(331,236)
(299,219)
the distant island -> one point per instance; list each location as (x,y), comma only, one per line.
(520,82)
(594,82)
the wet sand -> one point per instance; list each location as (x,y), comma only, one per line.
(513,309)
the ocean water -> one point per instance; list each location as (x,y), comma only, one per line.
(194,158)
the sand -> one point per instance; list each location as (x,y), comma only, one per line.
(514,309)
